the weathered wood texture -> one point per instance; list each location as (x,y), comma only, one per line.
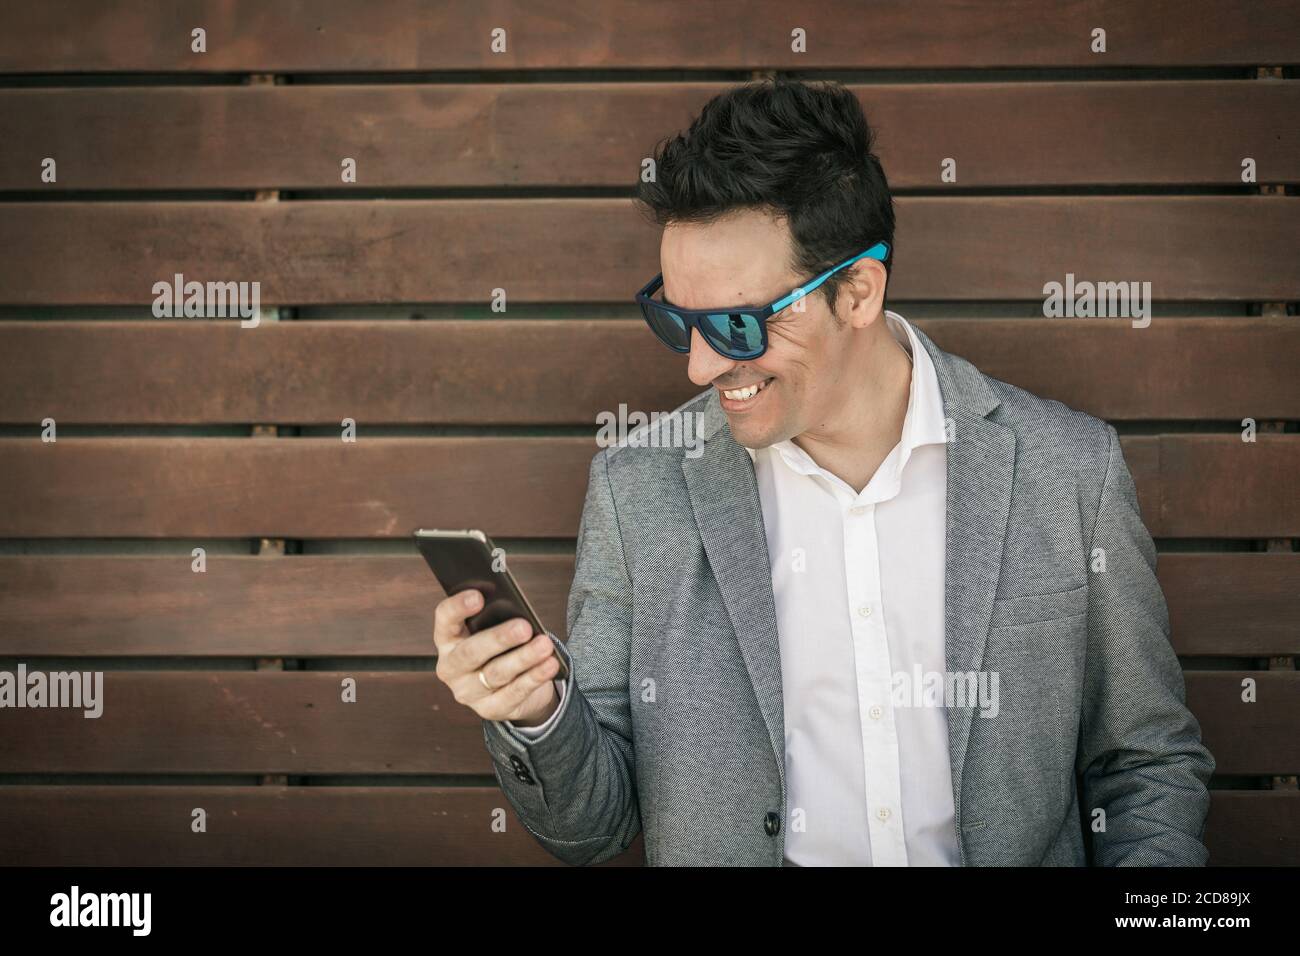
(294,36)
(1214,248)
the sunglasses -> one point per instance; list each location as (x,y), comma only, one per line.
(739,334)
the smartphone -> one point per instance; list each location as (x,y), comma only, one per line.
(462,560)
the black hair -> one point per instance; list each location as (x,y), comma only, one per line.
(803,151)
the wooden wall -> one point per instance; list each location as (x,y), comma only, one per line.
(479,170)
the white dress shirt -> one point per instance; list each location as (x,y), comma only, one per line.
(858,584)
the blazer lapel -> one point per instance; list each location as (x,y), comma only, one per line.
(981,464)
(724,499)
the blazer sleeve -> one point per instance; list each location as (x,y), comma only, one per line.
(574,784)
(1140,757)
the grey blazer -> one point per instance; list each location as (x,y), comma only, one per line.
(672,719)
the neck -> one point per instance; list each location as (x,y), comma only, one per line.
(871,409)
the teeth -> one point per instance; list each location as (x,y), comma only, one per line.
(741,394)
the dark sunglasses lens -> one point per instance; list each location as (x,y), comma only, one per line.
(668,325)
(734,334)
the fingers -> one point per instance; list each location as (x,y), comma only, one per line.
(528,690)
(500,671)
(459,651)
(514,661)
(512,679)
(478,650)
(449,618)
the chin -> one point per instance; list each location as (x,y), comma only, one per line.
(750,434)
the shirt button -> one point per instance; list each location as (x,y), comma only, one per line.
(859,510)
(865,610)
(875,713)
(883,813)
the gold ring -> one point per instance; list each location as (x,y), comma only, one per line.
(482,679)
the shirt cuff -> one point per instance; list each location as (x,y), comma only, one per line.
(542,727)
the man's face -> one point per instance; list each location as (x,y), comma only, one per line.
(743,259)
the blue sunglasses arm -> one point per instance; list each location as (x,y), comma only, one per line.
(879,251)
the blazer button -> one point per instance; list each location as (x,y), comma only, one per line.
(772,823)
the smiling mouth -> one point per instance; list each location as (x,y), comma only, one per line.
(738,397)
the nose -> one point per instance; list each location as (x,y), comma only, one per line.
(705,365)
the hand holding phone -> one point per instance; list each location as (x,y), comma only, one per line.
(486,626)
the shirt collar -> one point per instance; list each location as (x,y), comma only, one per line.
(924,422)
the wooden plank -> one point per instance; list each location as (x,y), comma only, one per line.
(303,253)
(1254,828)
(408,826)
(1029,134)
(1188,486)
(293,487)
(1210,481)
(269,826)
(1262,737)
(313,373)
(1232,605)
(1175,369)
(435,372)
(300,606)
(294,722)
(253,722)
(486,135)
(351,35)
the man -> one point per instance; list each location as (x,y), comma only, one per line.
(895,613)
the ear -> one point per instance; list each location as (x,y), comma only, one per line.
(862,295)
